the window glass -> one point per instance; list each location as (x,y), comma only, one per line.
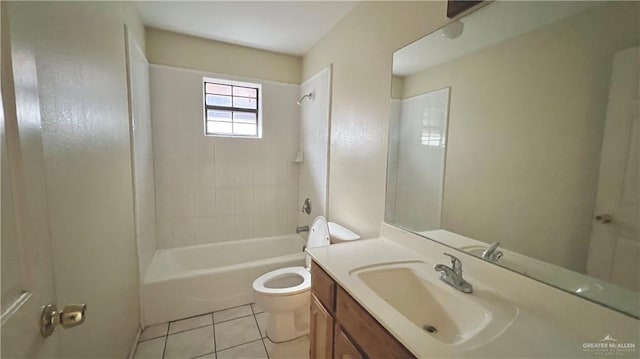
(232,108)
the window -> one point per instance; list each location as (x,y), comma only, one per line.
(232,108)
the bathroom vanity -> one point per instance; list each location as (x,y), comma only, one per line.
(343,328)
(381,298)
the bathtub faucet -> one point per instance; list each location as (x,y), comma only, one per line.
(300,229)
(306,206)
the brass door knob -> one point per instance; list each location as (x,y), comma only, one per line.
(70,316)
(603,218)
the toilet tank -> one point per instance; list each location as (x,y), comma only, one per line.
(340,234)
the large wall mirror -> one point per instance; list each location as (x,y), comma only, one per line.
(514,137)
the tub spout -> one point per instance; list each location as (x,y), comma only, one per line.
(300,229)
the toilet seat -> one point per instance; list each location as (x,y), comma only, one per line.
(260,284)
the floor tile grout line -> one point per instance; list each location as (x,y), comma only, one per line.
(213,324)
(264,345)
(148,339)
(203,355)
(254,312)
(215,311)
(237,306)
(202,326)
(191,317)
(159,336)
(166,339)
(215,345)
(194,328)
(228,320)
(238,345)
(201,315)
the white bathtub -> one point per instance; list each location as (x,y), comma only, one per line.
(187,281)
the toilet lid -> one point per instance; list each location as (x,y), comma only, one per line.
(261,284)
(319,233)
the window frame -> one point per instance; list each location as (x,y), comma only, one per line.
(206,107)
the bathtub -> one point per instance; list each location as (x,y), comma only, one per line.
(187,281)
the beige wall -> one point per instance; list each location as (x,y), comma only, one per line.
(525,132)
(82,84)
(397,87)
(360,48)
(178,50)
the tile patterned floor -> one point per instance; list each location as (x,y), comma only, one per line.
(234,333)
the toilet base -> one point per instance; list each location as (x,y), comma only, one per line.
(300,335)
(286,326)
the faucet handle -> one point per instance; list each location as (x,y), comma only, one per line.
(456,264)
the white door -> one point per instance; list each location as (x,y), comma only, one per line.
(614,253)
(79,52)
(27,279)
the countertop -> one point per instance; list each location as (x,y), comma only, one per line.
(536,331)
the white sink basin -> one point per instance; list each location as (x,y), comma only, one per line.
(414,290)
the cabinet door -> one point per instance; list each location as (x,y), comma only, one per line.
(365,331)
(343,348)
(323,287)
(321,331)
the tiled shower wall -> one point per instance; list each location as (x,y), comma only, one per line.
(420,164)
(213,189)
(416,160)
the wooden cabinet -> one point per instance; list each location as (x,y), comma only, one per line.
(323,287)
(343,347)
(342,329)
(321,331)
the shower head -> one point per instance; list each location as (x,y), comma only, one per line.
(309,95)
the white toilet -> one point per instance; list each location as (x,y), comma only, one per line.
(285,293)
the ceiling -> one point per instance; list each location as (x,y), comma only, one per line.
(496,22)
(290,27)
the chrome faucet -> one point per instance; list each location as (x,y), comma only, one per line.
(492,253)
(453,275)
(300,229)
